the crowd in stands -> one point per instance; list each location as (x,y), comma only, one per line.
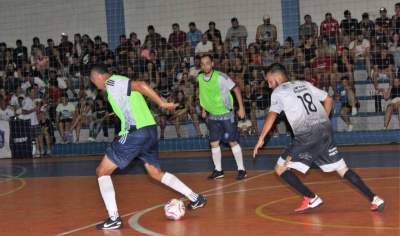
(49,84)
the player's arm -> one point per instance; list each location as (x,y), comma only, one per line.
(147,91)
(239,98)
(327,103)
(268,123)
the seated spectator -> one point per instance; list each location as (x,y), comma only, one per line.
(310,77)
(329,29)
(322,67)
(153,70)
(14,103)
(367,26)
(6,111)
(204,46)
(214,35)
(194,35)
(99,120)
(393,96)
(153,37)
(309,50)
(348,100)
(36,45)
(46,126)
(253,58)
(299,63)
(343,66)
(359,49)
(395,24)
(250,106)
(82,117)
(383,70)
(287,53)
(236,36)
(237,73)
(349,26)
(394,49)
(266,33)
(308,29)
(64,116)
(177,38)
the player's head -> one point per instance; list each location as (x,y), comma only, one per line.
(206,63)
(276,74)
(98,75)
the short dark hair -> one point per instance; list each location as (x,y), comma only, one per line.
(192,24)
(234,19)
(307,16)
(207,55)
(175,25)
(345,78)
(19,41)
(99,68)
(211,23)
(277,68)
(397,4)
(150,27)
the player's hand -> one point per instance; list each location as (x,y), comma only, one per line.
(241,113)
(259,145)
(168,105)
(203,114)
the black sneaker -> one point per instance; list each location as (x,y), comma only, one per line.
(110,224)
(216,174)
(241,174)
(200,202)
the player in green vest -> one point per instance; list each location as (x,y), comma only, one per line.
(137,139)
(217,106)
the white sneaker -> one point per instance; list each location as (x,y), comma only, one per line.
(354,111)
(90,139)
(377,204)
(349,128)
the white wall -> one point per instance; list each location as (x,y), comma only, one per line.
(24,19)
(162,13)
(318,8)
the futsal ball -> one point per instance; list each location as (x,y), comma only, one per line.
(174,209)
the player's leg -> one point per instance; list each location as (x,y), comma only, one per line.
(377,204)
(170,180)
(103,172)
(283,170)
(216,133)
(388,115)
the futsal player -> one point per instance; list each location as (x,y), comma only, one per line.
(217,106)
(313,138)
(137,139)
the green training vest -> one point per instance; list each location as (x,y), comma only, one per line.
(138,108)
(210,95)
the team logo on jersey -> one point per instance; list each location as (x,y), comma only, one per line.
(305,156)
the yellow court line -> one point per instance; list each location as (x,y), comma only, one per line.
(21,185)
(260,213)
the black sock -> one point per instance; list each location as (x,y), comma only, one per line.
(295,183)
(356,180)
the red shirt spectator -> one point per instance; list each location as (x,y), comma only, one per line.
(177,38)
(329,27)
(323,64)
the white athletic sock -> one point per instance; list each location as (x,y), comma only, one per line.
(216,156)
(173,182)
(237,153)
(108,193)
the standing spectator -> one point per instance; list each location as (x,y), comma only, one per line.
(214,35)
(383,71)
(152,37)
(66,49)
(367,26)
(394,49)
(20,54)
(204,46)
(359,49)
(77,45)
(134,42)
(309,50)
(308,29)
(36,45)
(395,24)
(6,111)
(194,35)
(29,112)
(348,25)
(287,53)
(177,38)
(383,21)
(329,29)
(266,33)
(236,36)
(121,52)
(15,97)
(64,115)
(46,125)
(3,49)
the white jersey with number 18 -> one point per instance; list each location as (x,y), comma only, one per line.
(301,102)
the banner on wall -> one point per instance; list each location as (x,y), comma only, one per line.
(5,151)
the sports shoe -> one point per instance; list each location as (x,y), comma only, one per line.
(241,174)
(377,204)
(200,202)
(354,111)
(110,224)
(216,174)
(309,203)
(349,128)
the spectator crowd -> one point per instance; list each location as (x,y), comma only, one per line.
(49,84)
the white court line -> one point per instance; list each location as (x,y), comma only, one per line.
(134,220)
(128,214)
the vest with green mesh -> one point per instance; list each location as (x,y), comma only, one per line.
(138,108)
(210,95)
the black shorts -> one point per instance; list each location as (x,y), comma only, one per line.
(223,130)
(66,120)
(316,146)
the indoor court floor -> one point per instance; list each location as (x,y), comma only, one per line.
(58,204)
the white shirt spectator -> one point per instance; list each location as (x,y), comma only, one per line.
(203,48)
(7,113)
(360,49)
(27,105)
(65,111)
(14,101)
(36,80)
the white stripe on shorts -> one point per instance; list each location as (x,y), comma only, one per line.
(303,168)
(333,166)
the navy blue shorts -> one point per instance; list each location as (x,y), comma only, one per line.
(141,143)
(223,130)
